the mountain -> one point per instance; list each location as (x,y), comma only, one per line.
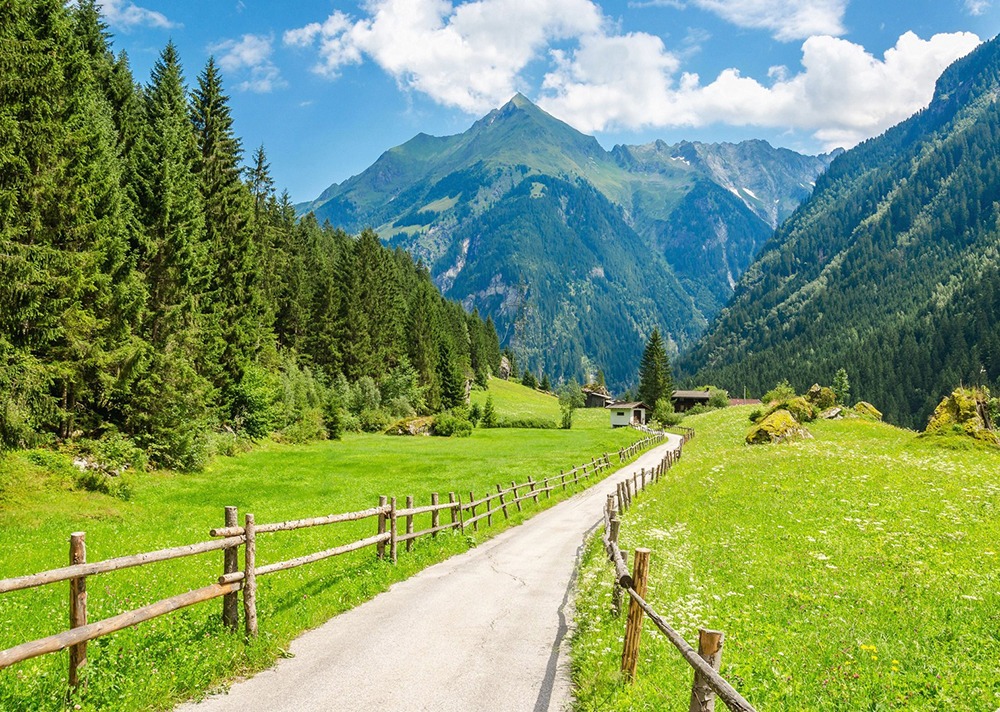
(577,253)
(890,270)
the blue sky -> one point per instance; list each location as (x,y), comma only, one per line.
(328,85)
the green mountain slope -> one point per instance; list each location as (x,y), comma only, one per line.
(891,268)
(673,226)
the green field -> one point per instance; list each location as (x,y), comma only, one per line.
(183,654)
(855,571)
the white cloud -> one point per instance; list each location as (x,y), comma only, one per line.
(787,19)
(842,95)
(125,15)
(469,56)
(977,7)
(250,57)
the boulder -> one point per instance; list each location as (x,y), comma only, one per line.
(411,426)
(835,413)
(780,426)
(964,412)
(821,397)
(798,406)
(867,410)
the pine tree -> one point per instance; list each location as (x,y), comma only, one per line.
(655,379)
(842,387)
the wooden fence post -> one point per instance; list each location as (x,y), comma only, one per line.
(643,477)
(230,565)
(472,511)
(563,478)
(409,522)
(620,490)
(77,607)
(517,500)
(380,547)
(452,511)
(392,529)
(633,628)
(618,591)
(435,515)
(534,495)
(502,505)
(250,577)
(710,650)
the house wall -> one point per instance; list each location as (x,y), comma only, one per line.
(620,417)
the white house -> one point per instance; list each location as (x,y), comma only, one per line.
(623,414)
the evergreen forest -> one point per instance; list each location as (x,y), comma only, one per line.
(157,291)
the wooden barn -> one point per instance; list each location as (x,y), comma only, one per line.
(623,414)
(686,400)
(596,399)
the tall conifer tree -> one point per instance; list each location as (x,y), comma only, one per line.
(655,378)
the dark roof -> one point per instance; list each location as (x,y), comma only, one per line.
(623,406)
(694,395)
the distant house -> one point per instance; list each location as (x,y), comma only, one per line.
(623,414)
(686,400)
(744,401)
(596,399)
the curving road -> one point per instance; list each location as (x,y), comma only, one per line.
(484,630)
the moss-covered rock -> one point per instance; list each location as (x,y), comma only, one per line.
(780,426)
(867,410)
(964,412)
(834,413)
(798,406)
(411,426)
(821,397)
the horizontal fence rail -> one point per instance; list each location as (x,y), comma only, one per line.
(707,681)
(231,537)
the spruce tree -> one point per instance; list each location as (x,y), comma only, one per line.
(655,379)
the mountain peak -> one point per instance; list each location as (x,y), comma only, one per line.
(520,101)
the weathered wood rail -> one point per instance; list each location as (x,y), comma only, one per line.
(708,683)
(230,538)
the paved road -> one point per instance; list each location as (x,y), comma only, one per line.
(484,630)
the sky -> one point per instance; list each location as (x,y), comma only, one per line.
(326,86)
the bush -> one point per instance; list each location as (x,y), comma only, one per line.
(567,416)
(527,422)
(718,398)
(781,392)
(400,407)
(756,414)
(255,402)
(475,414)
(698,409)
(449,425)
(227,444)
(672,419)
(374,420)
(307,428)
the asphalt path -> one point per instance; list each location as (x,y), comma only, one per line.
(484,630)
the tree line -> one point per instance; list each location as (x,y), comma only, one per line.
(153,288)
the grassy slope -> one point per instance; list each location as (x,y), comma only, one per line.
(855,571)
(154,664)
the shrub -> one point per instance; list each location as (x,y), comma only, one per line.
(566,411)
(718,398)
(307,428)
(662,410)
(255,402)
(228,444)
(449,425)
(527,422)
(781,392)
(756,414)
(672,419)
(400,407)
(475,414)
(374,420)
(698,409)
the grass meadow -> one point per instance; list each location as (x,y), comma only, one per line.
(155,664)
(859,570)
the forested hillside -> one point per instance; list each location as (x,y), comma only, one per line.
(891,270)
(575,252)
(151,287)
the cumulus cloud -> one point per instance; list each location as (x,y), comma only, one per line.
(786,19)
(250,58)
(469,56)
(124,15)
(842,95)
(475,55)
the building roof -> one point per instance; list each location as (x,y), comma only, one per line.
(623,406)
(694,395)
(744,401)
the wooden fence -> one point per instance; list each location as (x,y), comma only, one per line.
(232,580)
(706,660)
